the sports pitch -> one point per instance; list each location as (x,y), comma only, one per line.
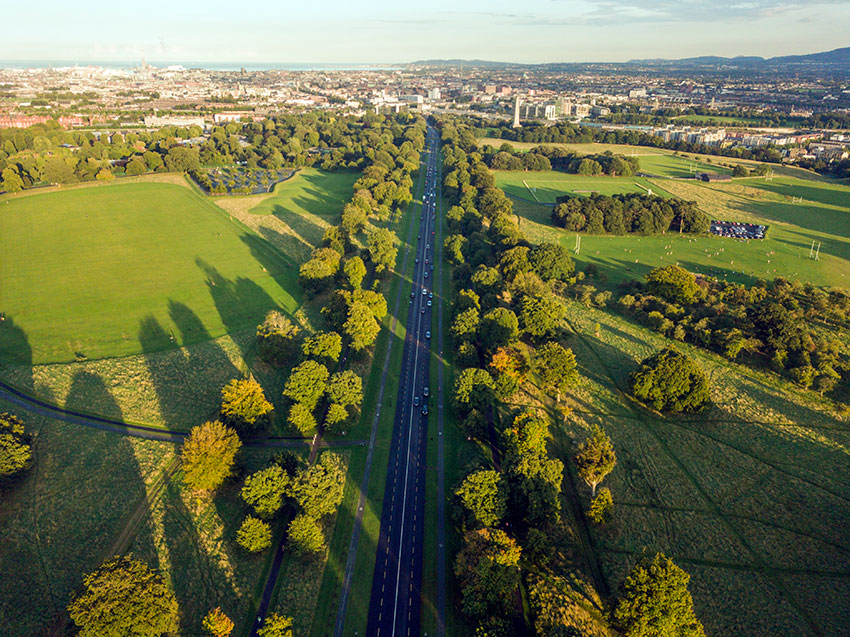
(84,271)
(822,217)
(545,187)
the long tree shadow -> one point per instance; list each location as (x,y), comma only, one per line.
(60,522)
(187,381)
(241,304)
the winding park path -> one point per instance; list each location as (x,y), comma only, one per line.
(147,432)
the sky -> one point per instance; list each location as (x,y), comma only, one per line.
(385,32)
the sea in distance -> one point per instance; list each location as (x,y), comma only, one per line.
(211,66)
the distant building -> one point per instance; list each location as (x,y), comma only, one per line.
(155,121)
(516,113)
(434,94)
(233,116)
(637,92)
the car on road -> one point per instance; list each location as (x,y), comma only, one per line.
(416,401)
(423,310)
(429,302)
(424,410)
(412,294)
(426,392)
(416,260)
(424,291)
(426,274)
(427,334)
(432,267)
(430,295)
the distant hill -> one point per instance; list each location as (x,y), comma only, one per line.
(839,57)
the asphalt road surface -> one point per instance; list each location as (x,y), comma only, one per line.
(396,599)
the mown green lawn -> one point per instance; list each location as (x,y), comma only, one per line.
(822,216)
(310,192)
(546,186)
(678,166)
(128,268)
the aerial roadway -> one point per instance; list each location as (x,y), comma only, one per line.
(395,605)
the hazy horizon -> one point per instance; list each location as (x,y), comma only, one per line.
(385,33)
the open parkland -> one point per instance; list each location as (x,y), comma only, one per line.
(137,300)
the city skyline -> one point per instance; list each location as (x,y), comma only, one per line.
(385,33)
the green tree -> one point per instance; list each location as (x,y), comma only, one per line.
(11,181)
(589,167)
(355,271)
(455,246)
(182,159)
(58,171)
(136,166)
(217,623)
(595,458)
(335,415)
(307,383)
(483,495)
(551,261)
(487,568)
(326,346)
(305,535)
(319,488)
(360,327)
(740,171)
(540,316)
(265,489)
(276,626)
(208,455)
(601,506)
(555,366)
(277,339)
(655,602)
(124,597)
(254,535)
(15,449)
(499,327)
(301,418)
(670,381)
(473,389)
(465,325)
(382,250)
(345,388)
(673,283)
(244,405)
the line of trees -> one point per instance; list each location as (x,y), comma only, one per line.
(46,154)
(559,158)
(794,329)
(628,213)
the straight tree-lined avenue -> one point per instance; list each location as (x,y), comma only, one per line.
(396,586)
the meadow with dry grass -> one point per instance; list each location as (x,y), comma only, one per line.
(750,497)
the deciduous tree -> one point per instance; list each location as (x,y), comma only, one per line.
(254,535)
(595,458)
(208,455)
(124,597)
(304,535)
(244,405)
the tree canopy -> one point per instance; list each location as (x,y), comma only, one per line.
(655,602)
(670,381)
(208,455)
(483,495)
(254,535)
(15,449)
(243,404)
(124,597)
(673,283)
(595,458)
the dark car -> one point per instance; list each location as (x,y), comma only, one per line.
(424,410)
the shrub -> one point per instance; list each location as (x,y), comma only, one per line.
(601,506)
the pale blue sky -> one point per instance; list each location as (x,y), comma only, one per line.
(254,31)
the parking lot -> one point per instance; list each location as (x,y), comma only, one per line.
(738,230)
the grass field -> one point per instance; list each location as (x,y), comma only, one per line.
(294,216)
(129,268)
(59,521)
(645,153)
(823,216)
(750,497)
(678,166)
(545,187)
(719,119)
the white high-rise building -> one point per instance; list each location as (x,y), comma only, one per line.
(434,94)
